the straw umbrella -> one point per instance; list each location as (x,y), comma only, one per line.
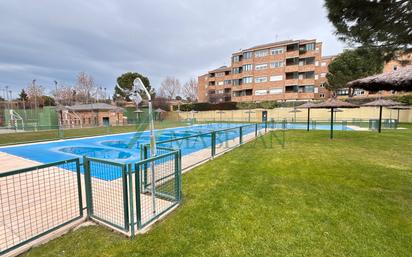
(138,111)
(336,112)
(294,111)
(307,105)
(332,104)
(399,108)
(380,103)
(159,111)
(399,80)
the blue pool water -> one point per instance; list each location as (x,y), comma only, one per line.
(125,148)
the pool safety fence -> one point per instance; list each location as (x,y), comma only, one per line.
(37,201)
(200,147)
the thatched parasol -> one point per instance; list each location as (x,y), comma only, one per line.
(380,103)
(399,80)
(294,111)
(159,110)
(332,104)
(399,108)
(138,111)
(307,105)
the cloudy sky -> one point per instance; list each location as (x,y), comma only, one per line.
(51,40)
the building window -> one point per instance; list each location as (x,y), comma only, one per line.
(277,64)
(247,80)
(261,66)
(322,95)
(227,82)
(309,89)
(310,47)
(261,79)
(220,74)
(220,83)
(247,67)
(237,82)
(276,78)
(322,75)
(236,58)
(322,85)
(261,92)
(395,67)
(323,64)
(275,91)
(261,53)
(219,91)
(278,50)
(247,55)
(237,70)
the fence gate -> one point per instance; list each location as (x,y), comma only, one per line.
(158,184)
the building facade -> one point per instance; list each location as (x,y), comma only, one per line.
(284,71)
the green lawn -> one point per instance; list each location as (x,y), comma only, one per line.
(348,197)
(26,137)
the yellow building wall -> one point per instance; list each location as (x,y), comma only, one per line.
(364,113)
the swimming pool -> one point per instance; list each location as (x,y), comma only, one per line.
(125,148)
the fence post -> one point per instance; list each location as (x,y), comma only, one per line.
(129,168)
(88,186)
(266,126)
(138,190)
(240,135)
(256,130)
(213,143)
(145,156)
(79,187)
(125,198)
(177,179)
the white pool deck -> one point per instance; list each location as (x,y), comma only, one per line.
(53,193)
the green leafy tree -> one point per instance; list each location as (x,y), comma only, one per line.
(384,25)
(23,96)
(246,105)
(126,82)
(268,104)
(48,100)
(351,65)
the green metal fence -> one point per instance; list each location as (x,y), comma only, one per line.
(38,200)
(111,194)
(212,143)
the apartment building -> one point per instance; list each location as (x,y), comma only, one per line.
(283,71)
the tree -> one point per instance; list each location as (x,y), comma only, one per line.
(385,25)
(64,95)
(351,65)
(268,104)
(125,81)
(179,98)
(23,96)
(85,88)
(48,100)
(34,94)
(190,90)
(170,88)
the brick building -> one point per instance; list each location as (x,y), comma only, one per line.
(87,115)
(284,71)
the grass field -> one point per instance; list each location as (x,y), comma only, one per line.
(54,134)
(348,197)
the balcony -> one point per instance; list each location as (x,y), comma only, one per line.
(292,54)
(306,67)
(292,68)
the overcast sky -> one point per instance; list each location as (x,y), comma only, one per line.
(51,40)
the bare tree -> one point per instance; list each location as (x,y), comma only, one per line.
(85,88)
(63,95)
(34,94)
(190,89)
(170,88)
